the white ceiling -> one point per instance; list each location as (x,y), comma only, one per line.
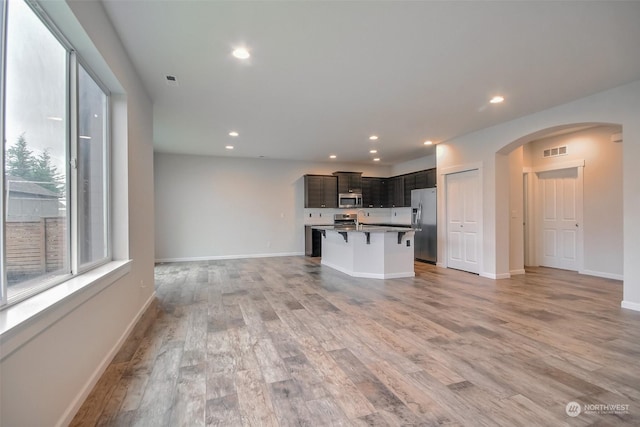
(324,75)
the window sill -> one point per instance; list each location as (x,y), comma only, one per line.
(21,322)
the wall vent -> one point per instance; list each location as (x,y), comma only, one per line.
(555,151)
(171,80)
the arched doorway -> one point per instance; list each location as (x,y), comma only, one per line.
(568,175)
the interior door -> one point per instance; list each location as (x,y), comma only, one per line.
(463,220)
(560,204)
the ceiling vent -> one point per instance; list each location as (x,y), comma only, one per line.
(616,137)
(556,151)
(171,80)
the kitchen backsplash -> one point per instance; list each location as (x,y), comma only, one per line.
(373,215)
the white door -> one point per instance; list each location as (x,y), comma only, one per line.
(561,206)
(463,220)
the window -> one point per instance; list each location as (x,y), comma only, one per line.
(92,167)
(55,162)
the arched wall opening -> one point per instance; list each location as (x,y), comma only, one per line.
(589,150)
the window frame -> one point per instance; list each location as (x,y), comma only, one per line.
(3,274)
(73,62)
(77,62)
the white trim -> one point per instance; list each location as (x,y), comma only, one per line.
(529,200)
(460,168)
(517,272)
(578,163)
(369,275)
(21,322)
(223,257)
(496,276)
(630,305)
(75,405)
(603,274)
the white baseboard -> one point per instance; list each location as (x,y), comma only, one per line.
(516,272)
(630,305)
(223,257)
(602,274)
(71,411)
(496,276)
(441,265)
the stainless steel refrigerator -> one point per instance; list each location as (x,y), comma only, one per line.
(423,219)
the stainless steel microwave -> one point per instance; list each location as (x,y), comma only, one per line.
(350,200)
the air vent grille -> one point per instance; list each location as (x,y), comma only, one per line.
(555,151)
(171,80)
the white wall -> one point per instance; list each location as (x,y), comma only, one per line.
(223,207)
(45,380)
(516,214)
(422,163)
(603,216)
(489,147)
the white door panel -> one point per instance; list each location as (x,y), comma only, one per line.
(455,246)
(561,203)
(550,243)
(463,220)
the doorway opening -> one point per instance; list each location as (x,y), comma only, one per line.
(565,200)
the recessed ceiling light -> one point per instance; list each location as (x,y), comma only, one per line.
(373,137)
(377,159)
(229,147)
(233,133)
(241,53)
(373,151)
(333,156)
(497,99)
(428,142)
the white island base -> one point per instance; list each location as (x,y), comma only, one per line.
(389,253)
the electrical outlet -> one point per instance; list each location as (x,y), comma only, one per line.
(408,243)
(310,215)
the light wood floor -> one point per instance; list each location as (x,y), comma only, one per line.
(285,341)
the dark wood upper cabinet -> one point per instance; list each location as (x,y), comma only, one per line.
(421,179)
(395,192)
(320,191)
(372,193)
(431,178)
(349,182)
(409,185)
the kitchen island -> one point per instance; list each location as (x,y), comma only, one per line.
(372,251)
